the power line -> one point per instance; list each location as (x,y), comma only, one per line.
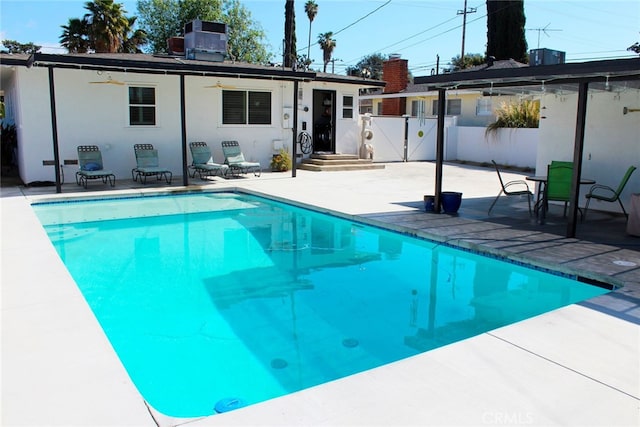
(358,20)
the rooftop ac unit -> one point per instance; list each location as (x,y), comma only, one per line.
(205,40)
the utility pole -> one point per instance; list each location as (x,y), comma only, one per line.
(333,64)
(464,13)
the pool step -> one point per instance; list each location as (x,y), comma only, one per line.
(324,162)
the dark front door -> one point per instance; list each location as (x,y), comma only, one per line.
(324,113)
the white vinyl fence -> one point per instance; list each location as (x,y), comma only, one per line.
(515,147)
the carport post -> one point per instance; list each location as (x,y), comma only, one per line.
(578,149)
(442,93)
(183,125)
(54,129)
(294,130)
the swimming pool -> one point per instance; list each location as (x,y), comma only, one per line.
(215,296)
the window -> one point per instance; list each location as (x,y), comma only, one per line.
(417,108)
(483,106)
(347,107)
(142,106)
(244,107)
(454,107)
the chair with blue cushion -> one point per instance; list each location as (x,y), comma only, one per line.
(147,164)
(235,159)
(202,161)
(91,167)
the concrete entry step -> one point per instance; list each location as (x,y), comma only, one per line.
(333,156)
(337,162)
(333,168)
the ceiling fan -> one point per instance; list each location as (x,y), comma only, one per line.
(109,81)
(219,85)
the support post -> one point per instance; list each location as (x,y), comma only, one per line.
(578,149)
(294,130)
(54,129)
(442,94)
(183,125)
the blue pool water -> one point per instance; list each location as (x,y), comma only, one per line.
(215,296)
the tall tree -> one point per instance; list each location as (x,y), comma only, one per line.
(327,44)
(370,67)
(505,30)
(162,19)
(470,60)
(245,35)
(133,39)
(108,25)
(75,36)
(13,46)
(311,9)
(290,55)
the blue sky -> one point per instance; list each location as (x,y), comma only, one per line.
(419,31)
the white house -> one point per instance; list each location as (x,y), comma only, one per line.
(58,102)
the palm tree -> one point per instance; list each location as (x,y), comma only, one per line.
(109,25)
(131,43)
(327,44)
(311,8)
(75,36)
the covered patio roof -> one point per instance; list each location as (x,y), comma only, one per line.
(600,75)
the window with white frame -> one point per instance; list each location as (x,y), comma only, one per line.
(483,106)
(142,106)
(417,108)
(347,107)
(241,107)
(454,107)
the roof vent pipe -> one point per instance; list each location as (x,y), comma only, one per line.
(490,60)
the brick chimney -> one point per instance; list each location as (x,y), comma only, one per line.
(395,72)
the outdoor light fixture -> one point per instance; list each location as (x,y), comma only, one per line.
(626,110)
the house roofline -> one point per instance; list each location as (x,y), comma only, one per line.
(592,71)
(172,65)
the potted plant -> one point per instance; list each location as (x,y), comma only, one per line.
(525,114)
(281,162)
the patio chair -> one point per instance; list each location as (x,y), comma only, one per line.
(558,185)
(235,159)
(147,164)
(511,188)
(202,161)
(90,162)
(608,194)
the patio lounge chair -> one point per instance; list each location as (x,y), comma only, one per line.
(202,161)
(512,188)
(608,194)
(235,159)
(147,164)
(90,161)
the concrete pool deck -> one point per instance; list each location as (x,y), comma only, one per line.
(578,365)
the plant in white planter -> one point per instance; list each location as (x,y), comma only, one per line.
(524,114)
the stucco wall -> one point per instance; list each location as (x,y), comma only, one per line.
(611,140)
(97,114)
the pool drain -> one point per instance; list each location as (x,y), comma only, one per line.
(279,363)
(350,342)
